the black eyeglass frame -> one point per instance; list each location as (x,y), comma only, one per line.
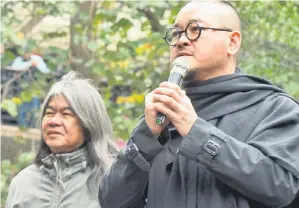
(185,31)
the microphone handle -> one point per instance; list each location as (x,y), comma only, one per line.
(174,78)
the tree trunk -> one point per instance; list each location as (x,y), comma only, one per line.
(79,53)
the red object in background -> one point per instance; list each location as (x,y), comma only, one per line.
(121,144)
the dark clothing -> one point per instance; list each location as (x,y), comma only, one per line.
(243,151)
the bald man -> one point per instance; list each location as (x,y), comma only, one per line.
(229,140)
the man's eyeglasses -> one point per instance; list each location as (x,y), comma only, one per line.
(192,31)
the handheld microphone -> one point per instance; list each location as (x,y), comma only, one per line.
(179,70)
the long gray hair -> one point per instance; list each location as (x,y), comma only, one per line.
(88,105)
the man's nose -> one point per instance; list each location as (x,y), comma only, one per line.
(183,41)
(56,120)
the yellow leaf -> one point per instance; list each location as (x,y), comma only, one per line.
(120,100)
(148,46)
(17,100)
(123,64)
(20,35)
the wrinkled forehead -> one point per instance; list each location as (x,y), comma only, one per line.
(58,102)
(206,13)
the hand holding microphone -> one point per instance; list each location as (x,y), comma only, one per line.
(179,70)
(169,103)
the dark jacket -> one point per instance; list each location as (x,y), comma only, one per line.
(243,151)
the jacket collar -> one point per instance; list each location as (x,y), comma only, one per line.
(227,94)
(63,166)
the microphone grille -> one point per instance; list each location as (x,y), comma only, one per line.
(180,65)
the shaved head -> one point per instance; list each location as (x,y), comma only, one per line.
(221,13)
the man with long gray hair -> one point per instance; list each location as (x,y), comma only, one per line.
(76,149)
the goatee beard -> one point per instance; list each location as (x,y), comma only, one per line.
(190,75)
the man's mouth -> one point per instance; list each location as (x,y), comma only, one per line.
(183,53)
(51,132)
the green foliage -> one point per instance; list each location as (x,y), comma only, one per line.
(10,107)
(10,169)
(120,44)
(270,46)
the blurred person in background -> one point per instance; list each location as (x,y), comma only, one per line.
(27,60)
(77,147)
(34,66)
(230,140)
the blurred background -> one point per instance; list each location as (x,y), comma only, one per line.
(118,44)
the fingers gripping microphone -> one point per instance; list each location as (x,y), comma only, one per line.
(179,69)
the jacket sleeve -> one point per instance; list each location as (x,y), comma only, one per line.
(10,196)
(266,167)
(41,65)
(20,65)
(124,184)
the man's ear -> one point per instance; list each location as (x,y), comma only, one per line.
(234,43)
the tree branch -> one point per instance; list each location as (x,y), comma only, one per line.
(6,86)
(154,21)
(78,50)
(34,20)
(31,24)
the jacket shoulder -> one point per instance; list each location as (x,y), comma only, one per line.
(26,175)
(282,100)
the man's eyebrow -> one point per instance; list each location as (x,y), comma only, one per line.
(50,107)
(68,108)
(192,20)
(63,108)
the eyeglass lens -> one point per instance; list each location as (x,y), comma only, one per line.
(192,32)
